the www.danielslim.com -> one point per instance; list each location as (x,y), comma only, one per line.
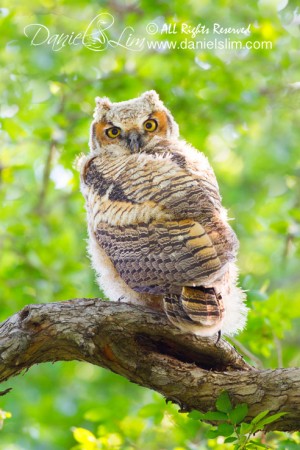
(208,44)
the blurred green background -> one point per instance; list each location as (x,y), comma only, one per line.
(241,108)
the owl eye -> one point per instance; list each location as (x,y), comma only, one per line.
(150,125)
(113,132)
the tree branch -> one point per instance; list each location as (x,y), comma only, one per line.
(143,346)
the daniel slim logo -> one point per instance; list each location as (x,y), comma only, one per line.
(97,38)
(94,38)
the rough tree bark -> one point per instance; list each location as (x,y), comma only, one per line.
(144,347)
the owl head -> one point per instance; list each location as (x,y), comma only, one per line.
(131,126)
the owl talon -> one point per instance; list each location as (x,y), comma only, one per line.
(219,336)
(121,298)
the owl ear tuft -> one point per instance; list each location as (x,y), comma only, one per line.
(152,97)
(103,104)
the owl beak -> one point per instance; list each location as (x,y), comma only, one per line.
(133,141)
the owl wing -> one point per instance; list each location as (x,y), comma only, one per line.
(154,218)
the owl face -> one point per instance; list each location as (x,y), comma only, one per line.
(131,126)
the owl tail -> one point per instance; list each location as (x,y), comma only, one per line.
(198,309)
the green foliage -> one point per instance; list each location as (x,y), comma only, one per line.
(241,108)
(232,431)
(231,425)
(236,434)
(154,419)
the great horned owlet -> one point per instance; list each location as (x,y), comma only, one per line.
(158,233)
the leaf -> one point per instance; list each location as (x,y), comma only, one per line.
(230,439)
(260,416)
(215,415)
(212,433)
(258,444)
(242,440)
(238,413)
(223,403)
(194,415)
(268,420)
(245,428)
(225,429)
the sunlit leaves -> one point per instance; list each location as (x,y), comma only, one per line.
(230,427)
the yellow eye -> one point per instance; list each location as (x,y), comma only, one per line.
(113,132)
(150,125)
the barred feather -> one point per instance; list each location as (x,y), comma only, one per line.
(156,221)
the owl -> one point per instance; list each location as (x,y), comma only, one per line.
(158,233)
